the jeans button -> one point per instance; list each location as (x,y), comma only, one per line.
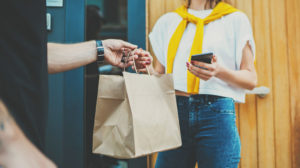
(209,103)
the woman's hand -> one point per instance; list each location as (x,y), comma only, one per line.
(207,71)
(245,77)
(143,61)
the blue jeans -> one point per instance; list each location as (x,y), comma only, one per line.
(209,134)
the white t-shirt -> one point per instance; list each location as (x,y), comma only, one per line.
(225,37)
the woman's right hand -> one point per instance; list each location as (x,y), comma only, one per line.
(144,61)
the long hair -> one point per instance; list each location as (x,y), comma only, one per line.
(209,4)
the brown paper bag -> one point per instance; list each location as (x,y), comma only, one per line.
(136,115)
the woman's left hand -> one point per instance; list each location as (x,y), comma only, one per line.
(207,71)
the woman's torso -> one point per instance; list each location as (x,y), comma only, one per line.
(220,37)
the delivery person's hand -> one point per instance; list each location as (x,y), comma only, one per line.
(113,52)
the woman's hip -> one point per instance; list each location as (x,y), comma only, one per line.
(210,119)
(197,108)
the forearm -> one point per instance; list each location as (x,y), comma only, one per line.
(8,130)
(242,78)
(157,69)
(64,57)
(5,120)
(15,149)
(153,70)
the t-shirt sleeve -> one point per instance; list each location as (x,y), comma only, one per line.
(158,39)
(244,35)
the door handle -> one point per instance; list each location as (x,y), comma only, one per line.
(259,91)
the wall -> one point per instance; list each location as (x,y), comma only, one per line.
(267,125)
(65,126)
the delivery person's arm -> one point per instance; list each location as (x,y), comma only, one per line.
(64,57)
(15,149)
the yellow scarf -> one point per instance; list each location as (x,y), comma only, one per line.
(220,10)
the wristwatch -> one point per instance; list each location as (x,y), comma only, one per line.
(100,51)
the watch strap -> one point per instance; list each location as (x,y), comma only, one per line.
(100,51)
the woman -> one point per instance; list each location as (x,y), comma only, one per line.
(206,106)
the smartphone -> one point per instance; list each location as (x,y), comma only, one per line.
(205,57)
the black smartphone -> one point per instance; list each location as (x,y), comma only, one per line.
(205,57)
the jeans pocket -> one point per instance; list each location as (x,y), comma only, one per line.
(223,106)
